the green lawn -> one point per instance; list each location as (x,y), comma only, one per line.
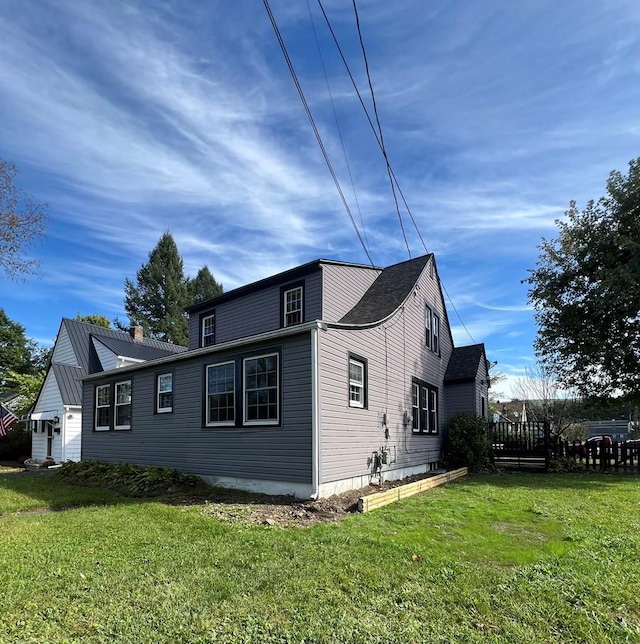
(540,558)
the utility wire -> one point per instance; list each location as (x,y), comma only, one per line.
(381,145)
(381,140)
(335,116)
(313,125)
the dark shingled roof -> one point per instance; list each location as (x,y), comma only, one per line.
(137,350)
(387,293)
(463,363)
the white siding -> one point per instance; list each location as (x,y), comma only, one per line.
(39,446)
(72,432)
(63,350)
(49,401)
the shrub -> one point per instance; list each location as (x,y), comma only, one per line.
(466,443)
(16,443)
(129,480)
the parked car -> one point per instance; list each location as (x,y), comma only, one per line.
(582,448)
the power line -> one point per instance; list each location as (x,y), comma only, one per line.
(381,140)
(335,116)
(313,125)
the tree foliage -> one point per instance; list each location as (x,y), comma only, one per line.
(586,293)
(203,286)
(22,222)
(95,319)
(15,351)
(158,300)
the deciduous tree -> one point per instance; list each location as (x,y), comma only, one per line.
(586,293)
(22,222)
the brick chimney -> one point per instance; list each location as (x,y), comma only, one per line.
(137,333)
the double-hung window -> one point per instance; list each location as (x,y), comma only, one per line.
(261,390)
(221,394)
(208,324)
(103,407)
(164,386)
(357,382)
(123,405)
(113,406)
(292,302)
(424,405)
(431,330)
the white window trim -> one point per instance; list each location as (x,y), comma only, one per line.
(163,410)
(220,423)
(428,327)
(116,404)
(298,310)
(245,410)
(435,344)
(102,428)
(204,336)
(360,384)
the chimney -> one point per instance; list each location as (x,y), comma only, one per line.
(137,333)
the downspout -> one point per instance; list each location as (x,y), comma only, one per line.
(315,414)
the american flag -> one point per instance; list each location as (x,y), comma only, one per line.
(7,419)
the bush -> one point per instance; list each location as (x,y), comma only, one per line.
(466,443)
(15,444)
(129,480)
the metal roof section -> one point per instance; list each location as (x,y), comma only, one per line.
(68,379)
(387,293)
(463,364)
(125,347)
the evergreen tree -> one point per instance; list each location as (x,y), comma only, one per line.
(204,286)
(158,299)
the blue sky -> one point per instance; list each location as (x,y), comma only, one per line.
(131,118)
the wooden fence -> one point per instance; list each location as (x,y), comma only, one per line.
(603,456)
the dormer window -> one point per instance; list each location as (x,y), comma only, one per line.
(208,330)
(292,302)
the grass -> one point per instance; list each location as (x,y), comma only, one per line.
(540,558)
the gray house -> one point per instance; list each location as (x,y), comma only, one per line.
(81,349)
(309,382)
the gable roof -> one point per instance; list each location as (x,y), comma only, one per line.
(463,364)
(390,289)
(80,334)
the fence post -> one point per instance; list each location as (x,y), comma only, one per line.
(547,445)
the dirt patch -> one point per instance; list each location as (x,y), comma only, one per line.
(287,512)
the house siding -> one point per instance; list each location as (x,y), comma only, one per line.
(63,351)
(342,287)
(462,397)
(178,439)
(395,353)
(72,434)
(49,401)
(256,312)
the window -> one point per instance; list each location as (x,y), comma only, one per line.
(424,404)
(221,396)
(208,330)
(431,330)
(113,406)
(261,390)
(427,327)
(357,382)
(292,303)
(103,407)
(123,405)
(165,393)
(436,335)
